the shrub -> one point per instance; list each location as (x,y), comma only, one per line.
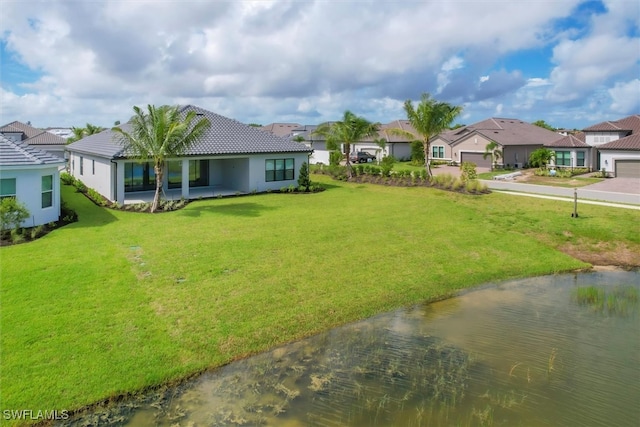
(417,153)
(303,178)
(12,213)
(67,179)
(468,171)
(386,165)
(67,214)
(334,158)
(80,186)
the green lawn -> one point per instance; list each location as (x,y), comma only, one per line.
(121,301)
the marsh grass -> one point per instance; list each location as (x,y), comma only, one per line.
(619,300)
(85,318)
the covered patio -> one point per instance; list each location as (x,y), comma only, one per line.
(176,194)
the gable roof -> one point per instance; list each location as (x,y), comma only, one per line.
(629,124)
(570,141)
(505,131)
(33,135)
(18,153)
(225,136)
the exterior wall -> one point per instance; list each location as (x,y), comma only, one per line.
(598,138)
(257,179)
(29,192)
(320,153)
(608,159)
(96,173)
(574,158)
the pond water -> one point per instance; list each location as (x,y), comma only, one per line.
(549,351)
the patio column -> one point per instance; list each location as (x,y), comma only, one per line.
(119,187)
(185,179)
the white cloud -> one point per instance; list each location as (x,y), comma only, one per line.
(626,97)
(302,61)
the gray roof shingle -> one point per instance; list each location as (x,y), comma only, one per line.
(32,135)
(225,137)
(14,153)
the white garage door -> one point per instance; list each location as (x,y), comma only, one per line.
(628,168)
(477,159)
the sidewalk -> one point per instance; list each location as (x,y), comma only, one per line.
(585,194)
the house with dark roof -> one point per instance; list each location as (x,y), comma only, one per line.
(38,138)
(515,138)
(615,146)
(31,176)
(230,158)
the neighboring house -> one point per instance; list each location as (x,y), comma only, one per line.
(615,146)
(282,130)
(61,132)
(38,138)
(571,151)
(395,145)
(516,140)
(31,176)
(230,158)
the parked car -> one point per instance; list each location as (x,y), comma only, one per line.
(361,157)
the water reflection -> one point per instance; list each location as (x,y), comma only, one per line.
(528,352)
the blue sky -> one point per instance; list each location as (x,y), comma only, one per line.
(571,63)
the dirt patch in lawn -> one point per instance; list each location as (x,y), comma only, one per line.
(618,254)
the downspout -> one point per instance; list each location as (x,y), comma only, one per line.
(114,186)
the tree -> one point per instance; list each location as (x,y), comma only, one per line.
(303,178)
(78,134)
(492,149)
(541,157)
(298,138)
(12,213)
(350,130)
(92,129)
(543,124)
(160,133)
(430,118)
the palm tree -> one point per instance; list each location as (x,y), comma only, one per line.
(161,133)
(493,149)
(350,130)
(541,157)
(430,118)
(92,129)
(78,134)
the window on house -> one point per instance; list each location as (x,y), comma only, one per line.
(7,187)
(279,170)
(437,152)
(81,165)
(563,158)
(139,177)
(580,158)
(47,191)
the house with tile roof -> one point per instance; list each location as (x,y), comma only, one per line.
(230,158)
(615,146)
(394,145)
(572,151)
(31,176)
(38,138)
(515,138)
(280,129)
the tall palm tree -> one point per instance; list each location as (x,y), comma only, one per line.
(492,149)
(78,134)
(92,129)
(430,118)
(161,133)
(349,130)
